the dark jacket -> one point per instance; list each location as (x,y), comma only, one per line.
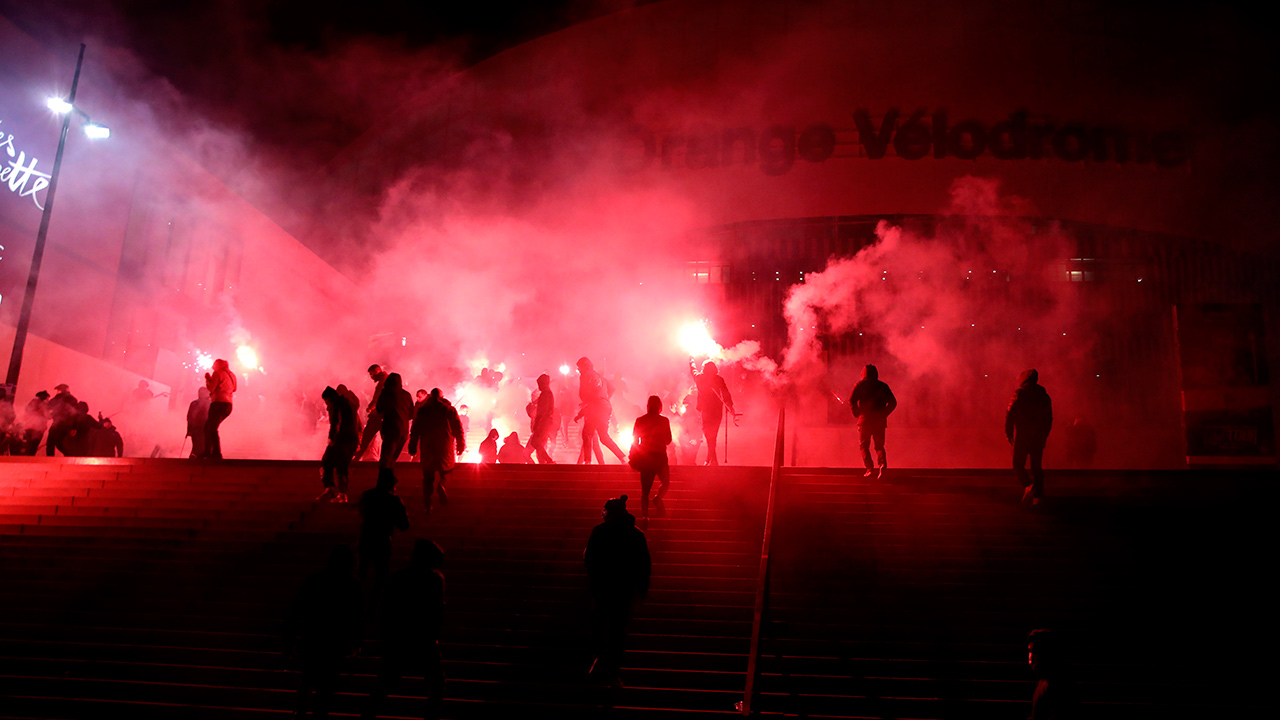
(713,394)
(651,435)
(107,443)
(489,448)
(342,417)
(383,514)
(544,413)
(62,407)
(1030,414)
(197,416)
(872,401)
(618,562)
(395,405)
(436,436)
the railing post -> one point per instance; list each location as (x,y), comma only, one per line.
(746,707)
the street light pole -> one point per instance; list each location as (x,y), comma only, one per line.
(24,319)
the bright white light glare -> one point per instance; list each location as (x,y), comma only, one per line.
(59,105)
(624,440)
(564,369)
(97,132)
(695,340)
(247,357)
(204,361)
(502,367)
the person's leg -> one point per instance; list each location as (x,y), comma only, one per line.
(711,431)
(609,442)
(1037,469)
(371,430)
(55,439)
(328,467)
(342,466)
(539,443)
(428,486)
(389,675)
(646,487)
(197,441)
(218,412)
(588,434)
(878,438)
(440,491)
(864,445)
(1020,453)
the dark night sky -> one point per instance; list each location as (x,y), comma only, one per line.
(227,57)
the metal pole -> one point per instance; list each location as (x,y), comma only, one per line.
(24,319)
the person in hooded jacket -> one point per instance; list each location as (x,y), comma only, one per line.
(221,383)
(713,398)
(545,420)
(871,402)
(618,570)
(489,448)
(197,416)
(411,616)
(382,513)
(594,392)
(395,407)
(512,452)
(651,435)
(62,410)
(322,629)
(437,439)
(81,439)
(1027,423)
(373,420)
(107,441)
(343,437)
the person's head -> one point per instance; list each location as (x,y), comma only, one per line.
(221,364)
(513,438)
(544,382)
(83,407)
(393,382)
(203,393)
(107,424)
(493,434)
(62,387)
(1029,378)
(330,395)
(463,409)
(420,395)
(427,554)
(709,368)
(1044,653)
(615,510)
(341,560)
(375,373)
(870,372)
(142,385)
(44,394)
(584,364)
(342,390)
(655,405)
(436,395)
(386,479)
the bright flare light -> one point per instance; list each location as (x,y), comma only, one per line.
(204,361)
(247,357)
(695,340)
(59,105)
(97,132)
(564,369)
(624,440)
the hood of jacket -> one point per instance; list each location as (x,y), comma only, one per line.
(870,373)
(1029,378)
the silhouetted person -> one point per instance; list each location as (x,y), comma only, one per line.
(335,464)
(618,567)
(62,411)
(1026,425)
(594,392)
(419,397)
(31,425)
(395,407)
(871,402)
(412,610)
(373,423)
(383,513)
(489,448)
(512,452)
(197,416)
(713,398)
(142,394)
(9,430)
(222,386)
(544,423)
(351,398)
(437,439)
(80,439)
(107,441)
(1055,696)
(1082,443)
(650,437)
(323,629)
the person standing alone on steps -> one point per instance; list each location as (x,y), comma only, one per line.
(222,385)
(713,398)
(343,437)
(871,402)
(437,439)
(651,435)
(1026,425)
(618,568)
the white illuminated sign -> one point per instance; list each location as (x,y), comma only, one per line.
(20,174)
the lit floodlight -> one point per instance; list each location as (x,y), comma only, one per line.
(97,132)
(59,105)
(564,369)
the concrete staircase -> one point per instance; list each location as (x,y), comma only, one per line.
(156,588)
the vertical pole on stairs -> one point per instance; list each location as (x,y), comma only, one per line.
(762,579)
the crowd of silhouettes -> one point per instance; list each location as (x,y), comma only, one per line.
(72,430)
